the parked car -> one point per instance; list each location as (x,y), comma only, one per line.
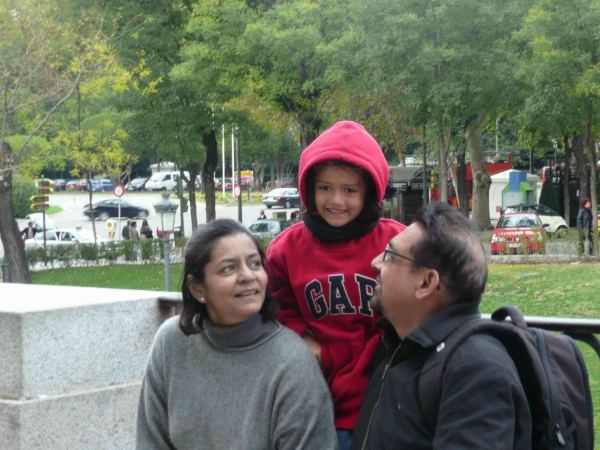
(555,222)
(284,197)
(245,183)
(59,184)
(103,184)
(63,236)
(266,227)
(110,208)
(76,185)
(137,184)
(219,182)
(518,233)
(164,181)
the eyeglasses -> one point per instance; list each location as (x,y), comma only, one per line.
(390,251)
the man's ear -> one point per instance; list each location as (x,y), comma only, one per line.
(429,283)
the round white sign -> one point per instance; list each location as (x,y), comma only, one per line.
(237,191)
(119,190)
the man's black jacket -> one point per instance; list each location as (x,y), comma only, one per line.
(482,405)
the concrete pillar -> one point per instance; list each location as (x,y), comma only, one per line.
(71,364)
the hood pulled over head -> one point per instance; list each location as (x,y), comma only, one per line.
(349,142)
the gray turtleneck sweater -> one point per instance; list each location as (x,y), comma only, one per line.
(250,386)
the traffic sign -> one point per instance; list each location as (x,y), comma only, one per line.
(39,202)
(237,191)
(44,187)
(119,190)
(39,207)
(39,199)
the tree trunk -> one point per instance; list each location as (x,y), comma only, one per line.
(592,156)
(566,178)
(458,172)
(194,170)
(481,179)
(444,139)
(582,171)
(14,251)
(208,173)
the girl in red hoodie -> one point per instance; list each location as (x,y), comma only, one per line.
(320,268)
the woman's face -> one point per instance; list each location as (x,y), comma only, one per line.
(235,281)
(587,204)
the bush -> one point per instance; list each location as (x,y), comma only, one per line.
(23,189)
(129,250)
(149,248)
(89,252)
(109,251)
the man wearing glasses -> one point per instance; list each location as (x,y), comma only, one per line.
(430,281)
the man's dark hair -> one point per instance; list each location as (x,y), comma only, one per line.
(451,247)
(197,254)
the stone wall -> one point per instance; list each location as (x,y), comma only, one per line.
(71,364)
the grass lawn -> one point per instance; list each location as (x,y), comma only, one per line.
(53,209)
(560,290)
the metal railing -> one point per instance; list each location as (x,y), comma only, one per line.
(581,329)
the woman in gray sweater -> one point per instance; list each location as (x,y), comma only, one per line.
(224,374)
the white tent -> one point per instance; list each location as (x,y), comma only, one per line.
(499,182)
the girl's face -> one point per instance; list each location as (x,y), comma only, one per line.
(235,281)
(339,194)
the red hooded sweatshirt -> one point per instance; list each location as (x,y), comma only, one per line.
(324,289)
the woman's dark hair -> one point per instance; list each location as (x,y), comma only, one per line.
(371,210)
(198,252)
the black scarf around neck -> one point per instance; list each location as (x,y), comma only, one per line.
(330,235)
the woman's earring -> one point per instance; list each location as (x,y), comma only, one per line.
(202,300)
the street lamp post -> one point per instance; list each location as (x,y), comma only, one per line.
(167,210)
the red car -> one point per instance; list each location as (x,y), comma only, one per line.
(519,233)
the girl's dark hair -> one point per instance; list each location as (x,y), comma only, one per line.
(371,210)
(198,252)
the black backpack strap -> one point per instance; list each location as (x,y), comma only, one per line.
(430,379)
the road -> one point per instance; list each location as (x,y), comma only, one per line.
(72,216)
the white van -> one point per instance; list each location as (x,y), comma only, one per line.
(164,181)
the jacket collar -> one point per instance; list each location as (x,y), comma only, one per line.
(443,322)
(434,329)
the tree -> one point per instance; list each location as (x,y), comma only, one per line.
(288,49)
(170,116)
(560,58)
(34,84)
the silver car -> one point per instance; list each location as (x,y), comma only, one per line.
(266,227)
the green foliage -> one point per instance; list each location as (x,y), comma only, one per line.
(109,251)
(149,247)
(129,249)
(229,199)
(145,250)
(23,189)
(88,252)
